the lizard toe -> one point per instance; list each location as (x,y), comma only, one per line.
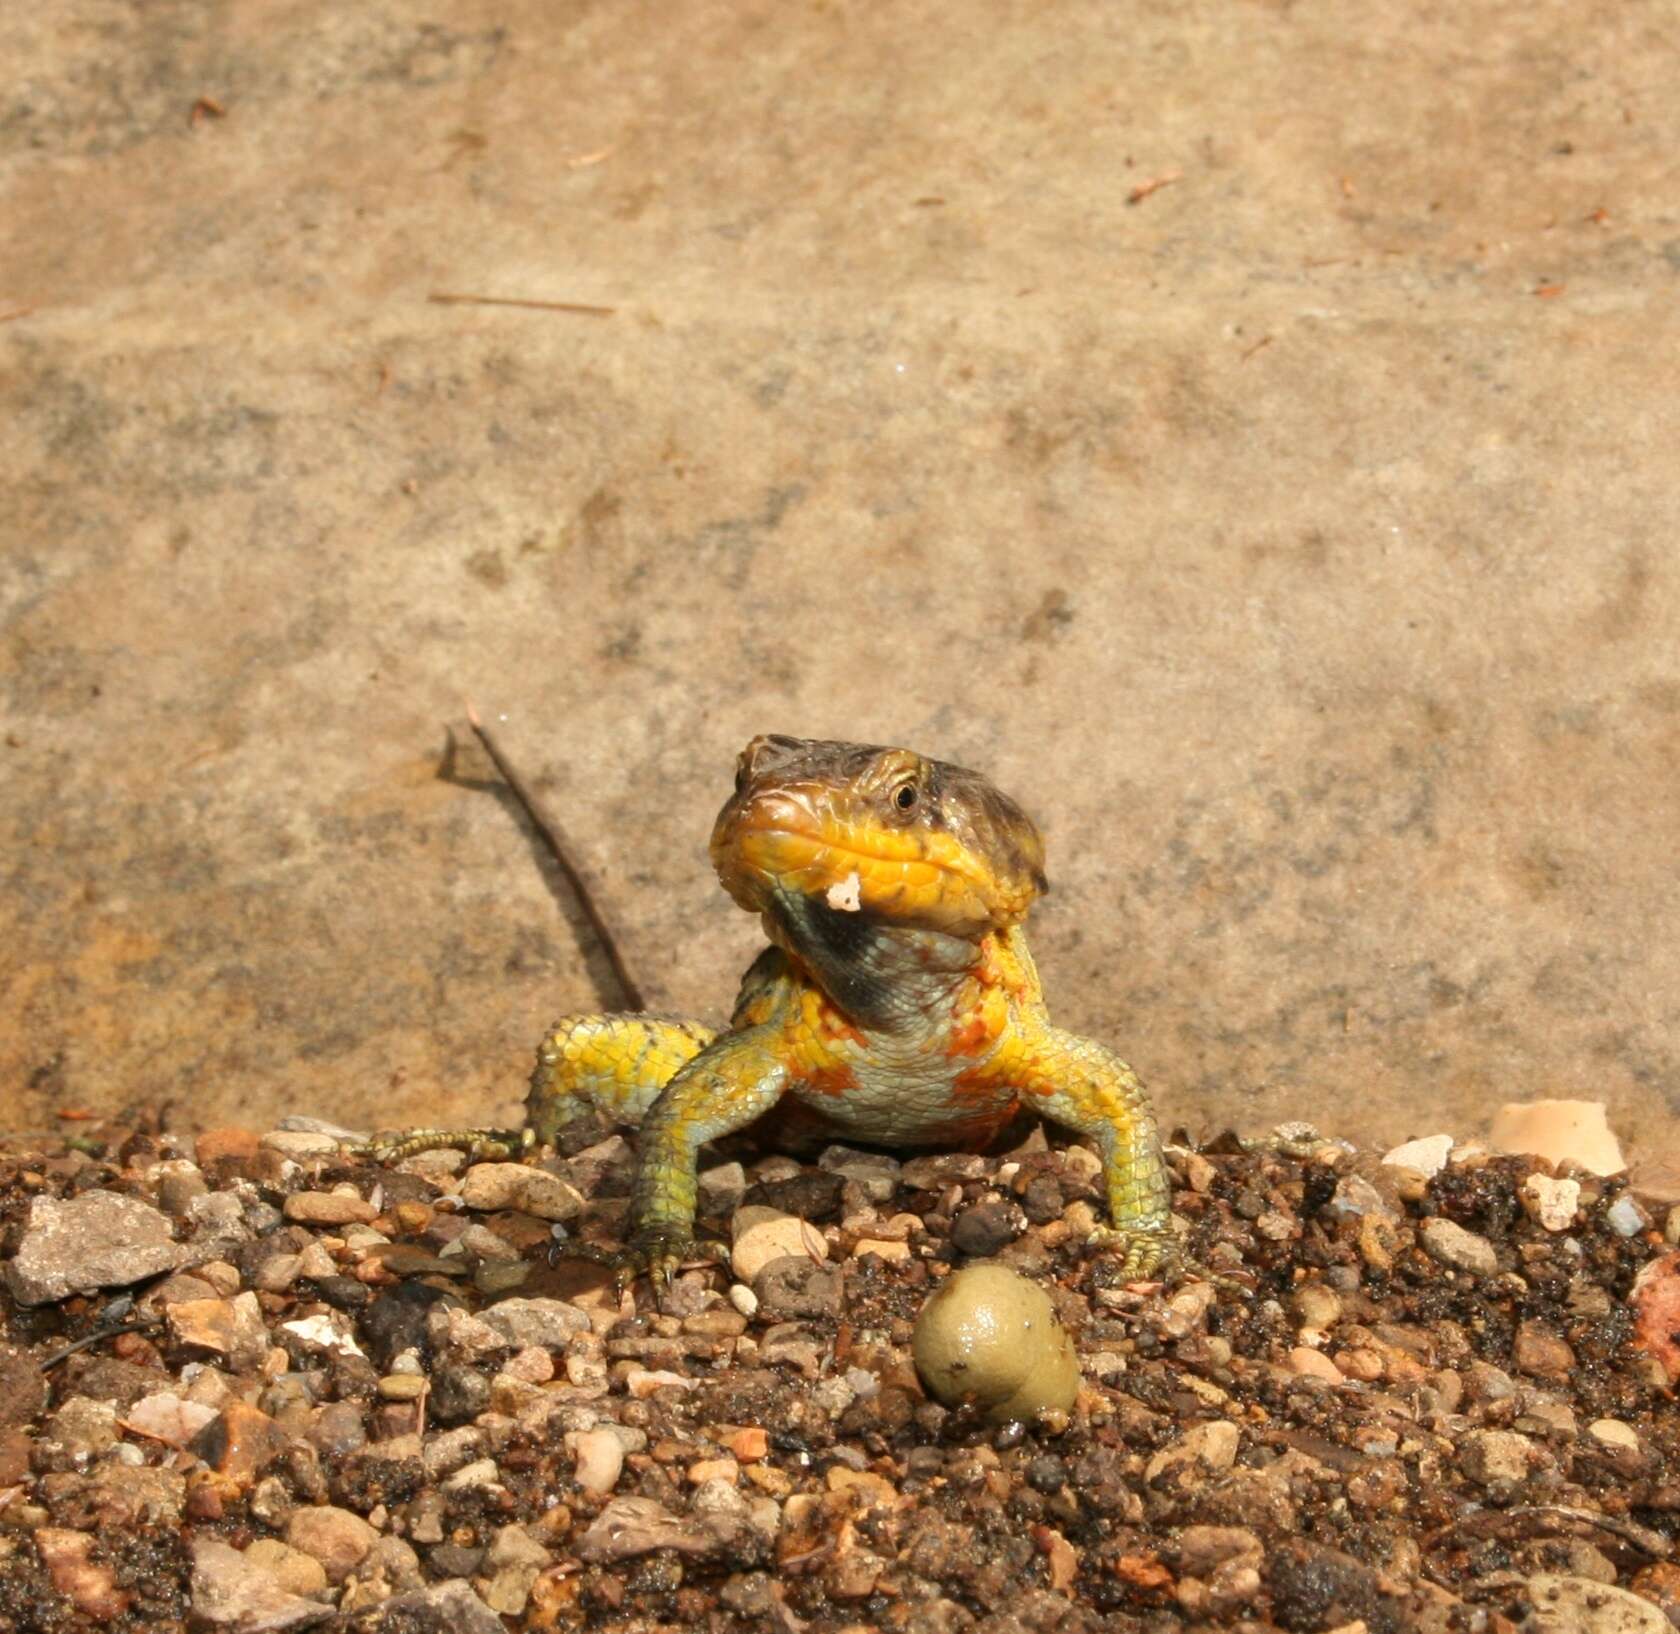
(1158,1256)
(657,1252)
(1143,1253)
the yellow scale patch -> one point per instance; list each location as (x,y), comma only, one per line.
(819,1041)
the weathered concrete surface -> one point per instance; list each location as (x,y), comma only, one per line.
(1298,540)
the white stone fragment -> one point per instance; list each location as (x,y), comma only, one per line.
(1427,1155)
(600,1459)
(328,1331)
(1551,1203)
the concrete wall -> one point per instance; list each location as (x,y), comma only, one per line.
(1247,430)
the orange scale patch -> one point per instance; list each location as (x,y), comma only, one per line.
(837,1079)
(970,1035)
(976,1083)
(976,1130)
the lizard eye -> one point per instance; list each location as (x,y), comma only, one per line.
(905,797)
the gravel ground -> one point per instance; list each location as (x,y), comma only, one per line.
(316,1393)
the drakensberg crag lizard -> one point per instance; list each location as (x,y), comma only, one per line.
(898,1004)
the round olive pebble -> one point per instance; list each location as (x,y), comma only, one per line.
(990,1337)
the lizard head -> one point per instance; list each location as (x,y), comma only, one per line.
(885,834)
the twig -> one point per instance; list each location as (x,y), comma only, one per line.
(579,308)
(558,849)
(1143,189)
(1259,346)
(137,1324)
(1552,1517)
(16,313)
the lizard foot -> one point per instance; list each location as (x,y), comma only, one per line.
(480,1145)
(1144,1253)
(656,1252)
(1148,1255)
(1297,1140)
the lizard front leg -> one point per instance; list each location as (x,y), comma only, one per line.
(1085,1086)
(615,1064)
(725,1087)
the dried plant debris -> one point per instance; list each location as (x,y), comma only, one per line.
(254,1383)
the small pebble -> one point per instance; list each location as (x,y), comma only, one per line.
(1537,1351)
(1355,1195)
(1626,1217)
(1551,1203)
(766,1234)
(1315,1364)
(1427,1155)
(1612,1432)
(889,1251)
(985,1227)
(492,1187)
(1496,1457)
(641,1382)
(335,1537)
(1463,1250)
(1316,1306)
(600,1459)
(1583,1605)
(713,1469)
(329,1208)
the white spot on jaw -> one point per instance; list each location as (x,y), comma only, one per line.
(846,894)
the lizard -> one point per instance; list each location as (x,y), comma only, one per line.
(897,1004)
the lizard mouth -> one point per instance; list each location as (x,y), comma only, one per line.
(791,841)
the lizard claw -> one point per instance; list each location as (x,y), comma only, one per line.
(1158,1255)
(1144,1254)
(656,1252)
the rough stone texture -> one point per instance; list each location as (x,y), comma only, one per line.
(232,1327)
(1296,539)
(232,1591)
(445,1608)
(550,1322)
(1463,1250)
(97,1240)
(516,1185)
(1578,1605)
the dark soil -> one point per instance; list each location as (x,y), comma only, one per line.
(328,1414)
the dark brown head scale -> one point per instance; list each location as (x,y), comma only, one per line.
(773,758)
(990,824)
